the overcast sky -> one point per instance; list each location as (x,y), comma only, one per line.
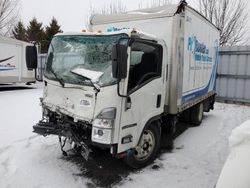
(72,14)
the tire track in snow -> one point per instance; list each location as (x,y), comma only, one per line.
(9,166)
(25,139)
(28,141)
(4,149)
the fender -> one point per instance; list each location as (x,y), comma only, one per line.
(153,119)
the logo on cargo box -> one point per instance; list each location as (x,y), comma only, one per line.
(7,66)
(113,29)
(200,50)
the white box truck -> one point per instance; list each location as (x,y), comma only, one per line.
(13,66)
(124,86)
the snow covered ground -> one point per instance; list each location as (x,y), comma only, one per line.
(28,160)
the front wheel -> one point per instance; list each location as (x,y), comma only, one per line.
(145,152)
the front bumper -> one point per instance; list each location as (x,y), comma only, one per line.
(81,137)
(64,126)
(45,129)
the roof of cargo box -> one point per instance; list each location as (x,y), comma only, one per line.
(148,13)
(12,41)
(163,11)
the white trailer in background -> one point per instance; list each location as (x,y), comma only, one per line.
(124,86)
(13,66)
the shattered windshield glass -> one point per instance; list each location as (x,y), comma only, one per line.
(74,57)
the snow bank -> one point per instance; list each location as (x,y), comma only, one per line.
(236,170)
(240,134)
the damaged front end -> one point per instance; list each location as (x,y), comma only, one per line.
(64,126)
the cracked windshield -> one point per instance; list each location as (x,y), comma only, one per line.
(77,59)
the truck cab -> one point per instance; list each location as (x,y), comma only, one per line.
(104,90)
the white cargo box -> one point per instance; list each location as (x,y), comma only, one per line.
(192,42)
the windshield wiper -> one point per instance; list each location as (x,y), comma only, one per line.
(97,88)
(60,80)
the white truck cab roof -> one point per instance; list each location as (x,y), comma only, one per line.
(113,31)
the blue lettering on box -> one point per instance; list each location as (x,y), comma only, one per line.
(200,50)
(212,82)
(113,29)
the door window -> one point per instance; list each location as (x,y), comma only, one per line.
(145,64)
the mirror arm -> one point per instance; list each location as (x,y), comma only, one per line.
(118,90)
(128,99)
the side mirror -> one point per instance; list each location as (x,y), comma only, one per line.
(119,61)
(31,57)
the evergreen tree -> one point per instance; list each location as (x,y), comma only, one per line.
(35,32)
(50,31)
(19,31)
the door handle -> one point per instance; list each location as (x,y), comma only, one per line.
(128,103)
(158,102)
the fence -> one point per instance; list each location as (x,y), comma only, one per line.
(41,64)
(233,80)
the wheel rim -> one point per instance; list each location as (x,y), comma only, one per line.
(146,146)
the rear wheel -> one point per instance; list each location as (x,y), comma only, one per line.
(185,117)
(145,152)
(196,115)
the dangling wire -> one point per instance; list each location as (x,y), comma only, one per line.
(62,144)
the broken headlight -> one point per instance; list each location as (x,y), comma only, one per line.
(103,126)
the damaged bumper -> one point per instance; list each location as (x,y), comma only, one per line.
(79,134)
(45,129)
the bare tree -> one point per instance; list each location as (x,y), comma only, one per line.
(154,3)
(8,15)
(229,16)
(114,7)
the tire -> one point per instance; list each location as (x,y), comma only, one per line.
(185,118)
(196,114)
(147,149)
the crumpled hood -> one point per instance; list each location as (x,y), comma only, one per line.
(75,102)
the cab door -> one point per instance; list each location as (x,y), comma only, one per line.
(145,88)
